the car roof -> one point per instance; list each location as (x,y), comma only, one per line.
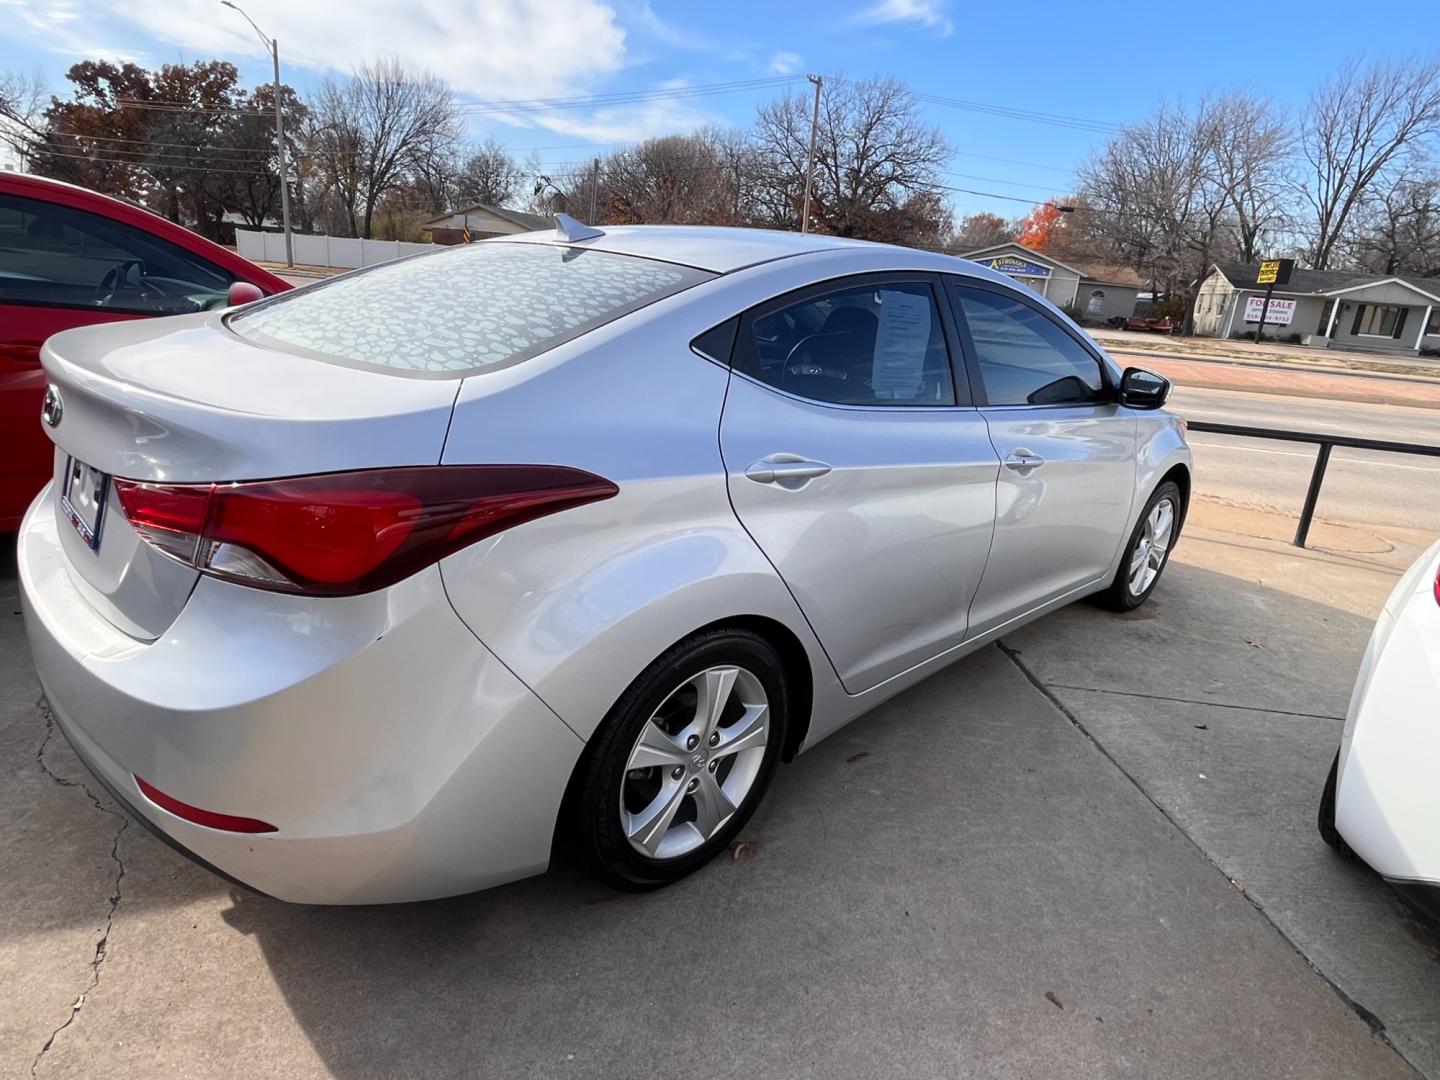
(706,247)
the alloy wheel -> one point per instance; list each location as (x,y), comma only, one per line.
(1148,557)
(694,762)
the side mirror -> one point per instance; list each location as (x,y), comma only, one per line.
(1141,389)
(242,292)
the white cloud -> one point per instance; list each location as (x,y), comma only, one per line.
(60,26)
(671,34)
(785,63)
(484,49)
(626,123)
(932,14)
(492,49)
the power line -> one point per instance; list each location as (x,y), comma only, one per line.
(1054,119)
(140,165)
(193,147)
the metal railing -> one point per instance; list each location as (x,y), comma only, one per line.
(1326,443)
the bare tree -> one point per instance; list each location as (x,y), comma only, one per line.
(976,231)
(489,174)
(875,159)
(1252,148)
(1361,125)
(1398,231)
(22,111)
(1159,193)
(375,130)
(675,179)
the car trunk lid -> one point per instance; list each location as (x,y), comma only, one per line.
(185,400)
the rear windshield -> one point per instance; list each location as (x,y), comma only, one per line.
(462,309)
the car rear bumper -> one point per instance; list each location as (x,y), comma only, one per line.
(1387,795)
(396,757)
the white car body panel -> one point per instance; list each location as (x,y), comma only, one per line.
(1387,798)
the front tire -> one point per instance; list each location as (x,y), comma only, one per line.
(1148,550)
(683,759)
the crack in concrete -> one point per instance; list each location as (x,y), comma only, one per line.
(102,946)
(1188,701)
(1368,1018)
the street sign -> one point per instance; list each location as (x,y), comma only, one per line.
(1275,272)
(1279,313)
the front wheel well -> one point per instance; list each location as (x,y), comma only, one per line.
(1181,476)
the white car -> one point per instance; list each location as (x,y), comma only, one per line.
(348,593)
(1382,798)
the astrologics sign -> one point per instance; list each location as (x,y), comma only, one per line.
(1016,266)
(1280,313)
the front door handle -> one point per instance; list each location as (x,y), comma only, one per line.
(1023,460)
(788,470)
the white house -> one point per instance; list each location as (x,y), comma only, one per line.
(1393,313)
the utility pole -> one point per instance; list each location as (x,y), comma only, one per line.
(810,160)
(274,46)
(594,187)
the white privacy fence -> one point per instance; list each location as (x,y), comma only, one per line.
(323,250)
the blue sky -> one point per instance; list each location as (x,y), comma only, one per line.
(1101,63)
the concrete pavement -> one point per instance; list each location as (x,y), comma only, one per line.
(916,887)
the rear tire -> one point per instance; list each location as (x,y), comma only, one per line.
(1147,552)
(682,759)
(1326,818)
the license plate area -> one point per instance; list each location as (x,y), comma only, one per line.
(82,497)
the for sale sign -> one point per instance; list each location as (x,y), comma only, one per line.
(1280,313)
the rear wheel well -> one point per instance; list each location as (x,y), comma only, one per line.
(800,684)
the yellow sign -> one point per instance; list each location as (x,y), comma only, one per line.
(1269,272)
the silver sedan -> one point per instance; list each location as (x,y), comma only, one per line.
(370,591)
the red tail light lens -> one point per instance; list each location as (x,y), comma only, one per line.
(338,534)
(1437,586)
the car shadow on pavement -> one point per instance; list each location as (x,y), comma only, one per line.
(918,888)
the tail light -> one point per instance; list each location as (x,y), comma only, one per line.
(338,534)
(1437,586)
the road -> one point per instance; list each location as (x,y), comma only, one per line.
(1361,486)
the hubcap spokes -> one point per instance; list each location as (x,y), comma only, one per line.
(1148,557)
(694,762)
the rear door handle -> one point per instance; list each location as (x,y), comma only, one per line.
(788,470)
(1020,460)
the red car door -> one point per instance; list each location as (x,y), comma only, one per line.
(68,258)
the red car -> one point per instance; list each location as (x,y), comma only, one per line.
(71,257)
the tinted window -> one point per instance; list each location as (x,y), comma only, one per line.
(879,344)
(463,308)
(1025,357)
(52,254)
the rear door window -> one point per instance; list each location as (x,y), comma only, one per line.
(462,309)
(55,255)
(876,344)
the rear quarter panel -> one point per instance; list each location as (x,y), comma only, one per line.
(579,603)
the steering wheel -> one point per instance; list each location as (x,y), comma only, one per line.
(115,277)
